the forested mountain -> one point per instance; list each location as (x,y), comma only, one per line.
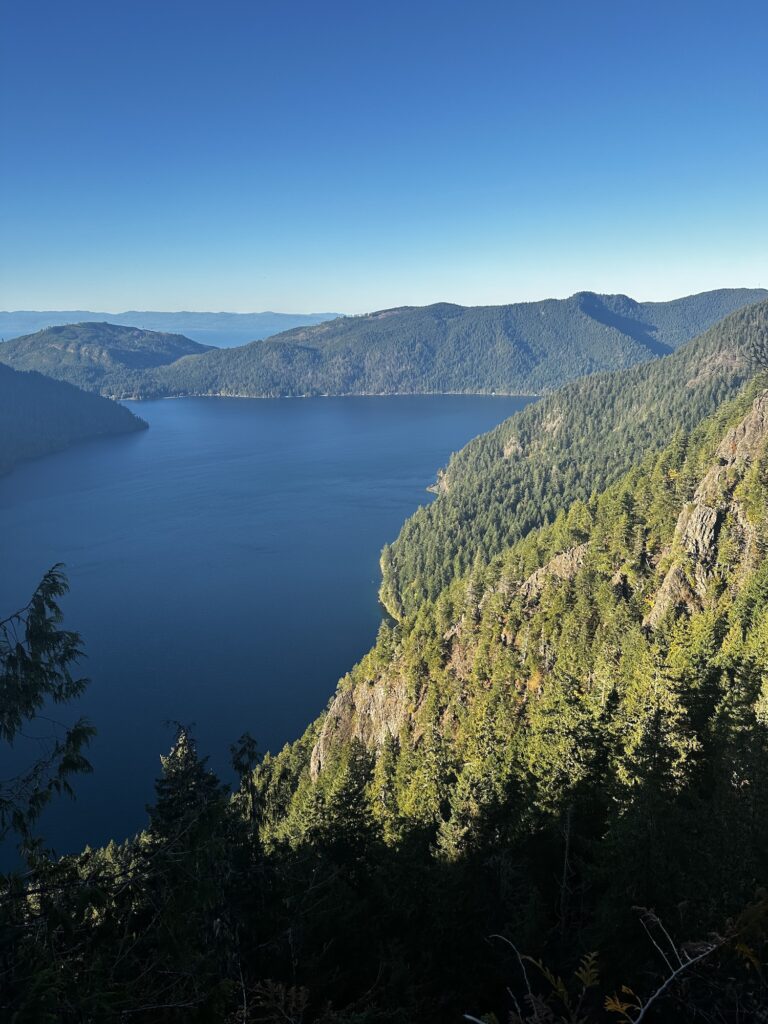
(39,415)
(101,357)
(562,448)
(526,348)
(581,725)
(564,755)
(223,329)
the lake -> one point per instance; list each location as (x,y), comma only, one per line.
(223,569)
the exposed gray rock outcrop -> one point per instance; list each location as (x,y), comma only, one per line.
(368,712)
(684,587)
(372,710)
(562,567)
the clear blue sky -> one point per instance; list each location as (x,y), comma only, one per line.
(268,154)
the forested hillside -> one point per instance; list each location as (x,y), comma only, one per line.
(106,358)
(576,730)
(564,756)
(39,415)
(562,448)
(525,348)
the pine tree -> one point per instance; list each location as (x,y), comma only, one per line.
(36,662)
(348,825)
(188,794)
(245,761)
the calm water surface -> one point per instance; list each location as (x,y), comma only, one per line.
(224,568)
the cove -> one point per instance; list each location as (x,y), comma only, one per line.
(223,569)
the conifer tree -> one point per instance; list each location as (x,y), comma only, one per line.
(188,794)
(36,662)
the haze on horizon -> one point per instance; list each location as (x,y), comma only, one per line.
(194,310)
(352,158)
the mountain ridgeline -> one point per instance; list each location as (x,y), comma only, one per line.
(524,348)
(39,415)
(562,448)
(563,754)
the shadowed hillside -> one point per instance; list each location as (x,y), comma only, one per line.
(39,415)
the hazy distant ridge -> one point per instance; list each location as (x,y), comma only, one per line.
(222,329)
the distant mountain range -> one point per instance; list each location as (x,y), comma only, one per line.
(221,329)
(39,415)
(524,348)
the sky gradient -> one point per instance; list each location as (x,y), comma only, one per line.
(300,156)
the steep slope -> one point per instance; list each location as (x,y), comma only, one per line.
(97,356)
(526,348)
(675,536)
(565,446)
(515,772)
(571,732)
(39,415)
(222,329)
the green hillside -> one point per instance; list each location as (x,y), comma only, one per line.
(525,348)
(564,447)
(563,725)
(102,357)
(542,797)
(39,415)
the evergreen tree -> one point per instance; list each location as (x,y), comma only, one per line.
(188,795)
(36,662)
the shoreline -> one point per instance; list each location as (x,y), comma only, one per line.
(347,394)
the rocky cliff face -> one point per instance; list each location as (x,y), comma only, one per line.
(376,709)
(562,567)
(686,583)
(369,713)
(372,709)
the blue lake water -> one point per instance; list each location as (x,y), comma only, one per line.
(223,569)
